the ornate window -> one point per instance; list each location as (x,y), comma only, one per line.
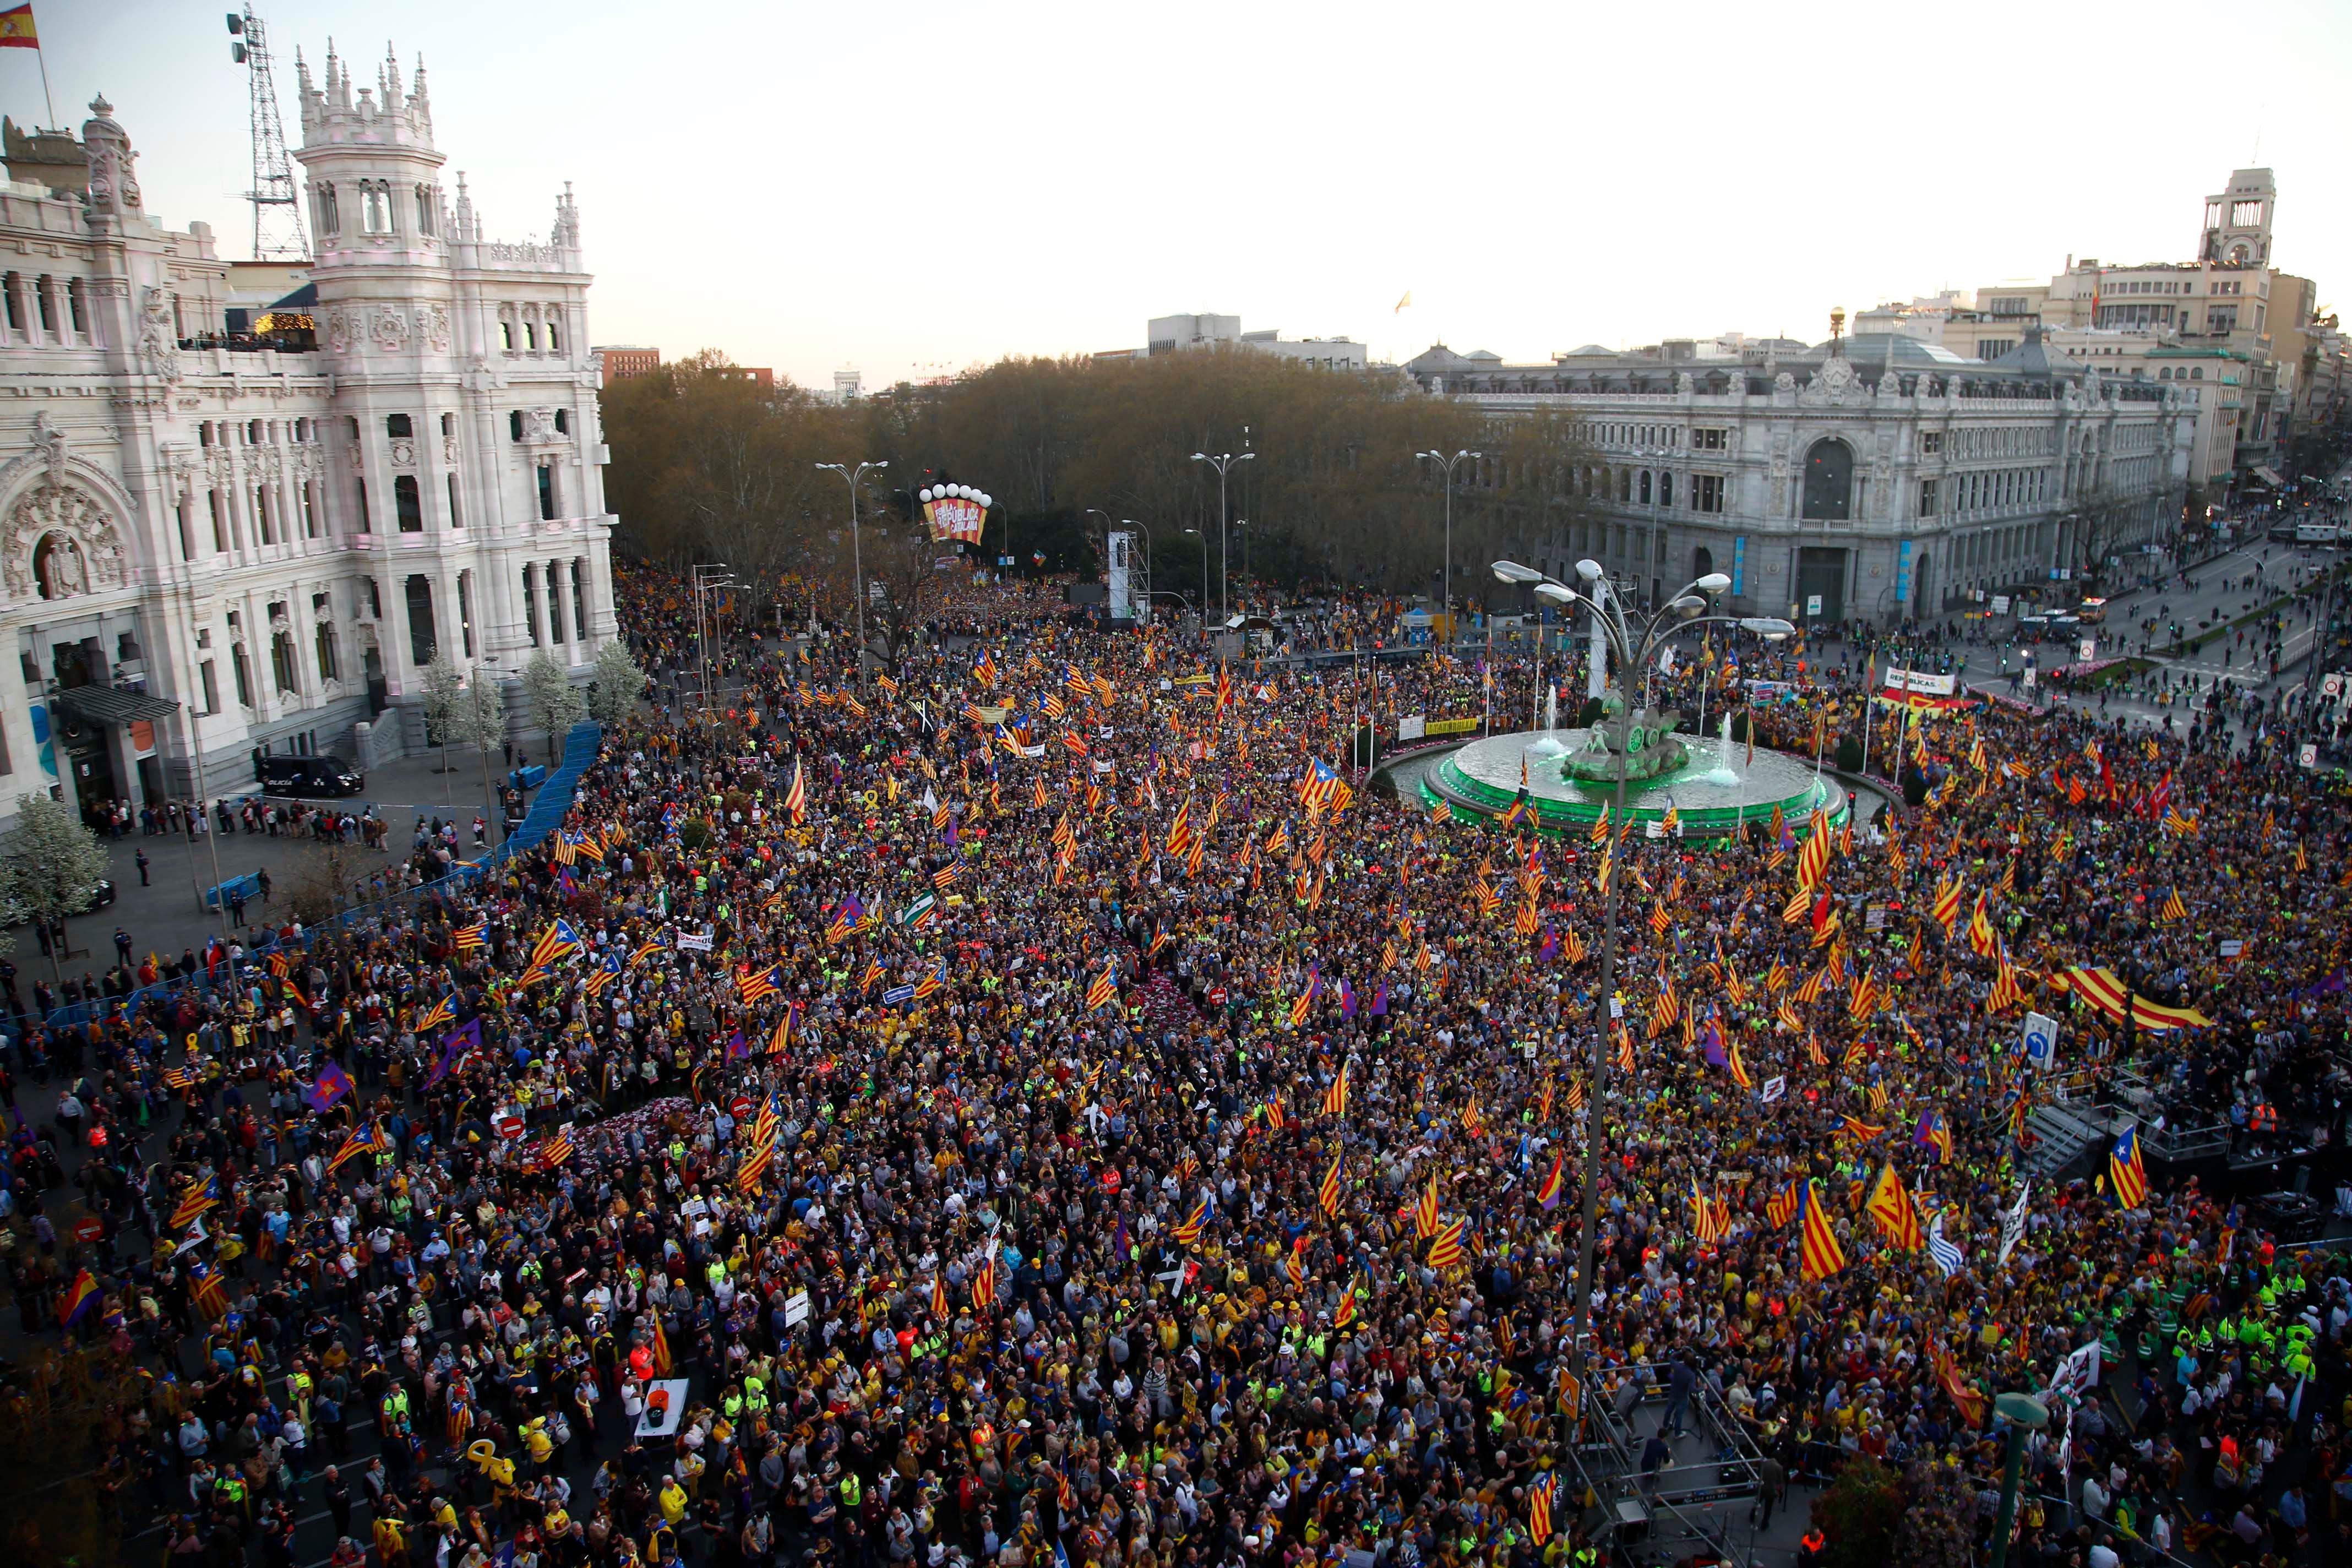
(1828,482)
(426,203)
(375,207)
(330,216)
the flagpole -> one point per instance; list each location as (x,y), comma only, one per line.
(51,103)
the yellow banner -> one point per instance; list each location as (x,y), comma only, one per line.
(1449,726)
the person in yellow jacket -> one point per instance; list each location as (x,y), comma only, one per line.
(673,1501)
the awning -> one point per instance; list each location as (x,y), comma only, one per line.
(2268,475)
(2106,990)
(114,704)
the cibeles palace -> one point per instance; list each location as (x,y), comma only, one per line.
(1878,478)
(243,505)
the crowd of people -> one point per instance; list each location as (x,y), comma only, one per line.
(1035,1101)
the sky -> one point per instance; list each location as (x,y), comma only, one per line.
(912,188)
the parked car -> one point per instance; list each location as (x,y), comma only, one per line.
(321,775)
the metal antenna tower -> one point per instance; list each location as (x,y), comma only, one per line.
(277,199)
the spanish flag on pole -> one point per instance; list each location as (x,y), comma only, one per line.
(16,30)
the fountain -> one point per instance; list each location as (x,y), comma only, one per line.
(1547,745)
(1722,772)
(1708,796)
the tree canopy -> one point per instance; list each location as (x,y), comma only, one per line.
(708,466)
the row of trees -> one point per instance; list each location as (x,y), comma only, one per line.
(709,465)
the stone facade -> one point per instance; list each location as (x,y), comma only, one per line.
(273,523)
(1881,479)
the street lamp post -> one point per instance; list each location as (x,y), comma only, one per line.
(1652,456)
(1205,586)
(1634,642)
(1448,464)
(857,553)
(706,578)
(1223,462)
(2023,1412)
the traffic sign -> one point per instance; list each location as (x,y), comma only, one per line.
(2040,1040)
(510,1126)
(739,1108)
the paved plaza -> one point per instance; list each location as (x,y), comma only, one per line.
(167,915)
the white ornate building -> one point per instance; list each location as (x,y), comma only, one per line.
(248,531)
(1881,477)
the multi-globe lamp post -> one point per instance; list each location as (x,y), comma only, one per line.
(857,553)
(1634,639)
(1448,465)
(1224,463)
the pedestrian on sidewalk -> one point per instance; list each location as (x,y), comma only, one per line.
(140,860)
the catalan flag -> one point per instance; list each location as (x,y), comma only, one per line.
(206,1291)
(1318,787)
(1424,1213)
(558,941)
(441,1013)
(552,1153)
(368,1140)
(2005,992)
(1335,1099)
(2126,1174)
(1540,1497)
(1981,939)
(1329,1192)
(1819,1256)
(796,797)
(752,985)
(1345,1313)
(199,1197)
(1196,1225)
(473,936)
(1104,988)
(1813,860)
(1897,1215)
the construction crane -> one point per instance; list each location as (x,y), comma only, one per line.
(277,200)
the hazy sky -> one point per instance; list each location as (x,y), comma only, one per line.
(926,184)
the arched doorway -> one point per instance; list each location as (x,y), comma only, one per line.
(1829,482)
(1702,562)
(1922,589)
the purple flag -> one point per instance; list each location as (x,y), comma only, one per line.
(454,1046)
(332,1085)
(1380,1001)
(1346,999)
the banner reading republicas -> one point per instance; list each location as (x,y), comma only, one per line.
(955,512)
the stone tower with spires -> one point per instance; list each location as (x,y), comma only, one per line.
(472,442)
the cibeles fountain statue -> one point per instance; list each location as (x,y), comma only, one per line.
(1652,752)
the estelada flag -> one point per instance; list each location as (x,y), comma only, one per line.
(17,29)
(661,1349)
